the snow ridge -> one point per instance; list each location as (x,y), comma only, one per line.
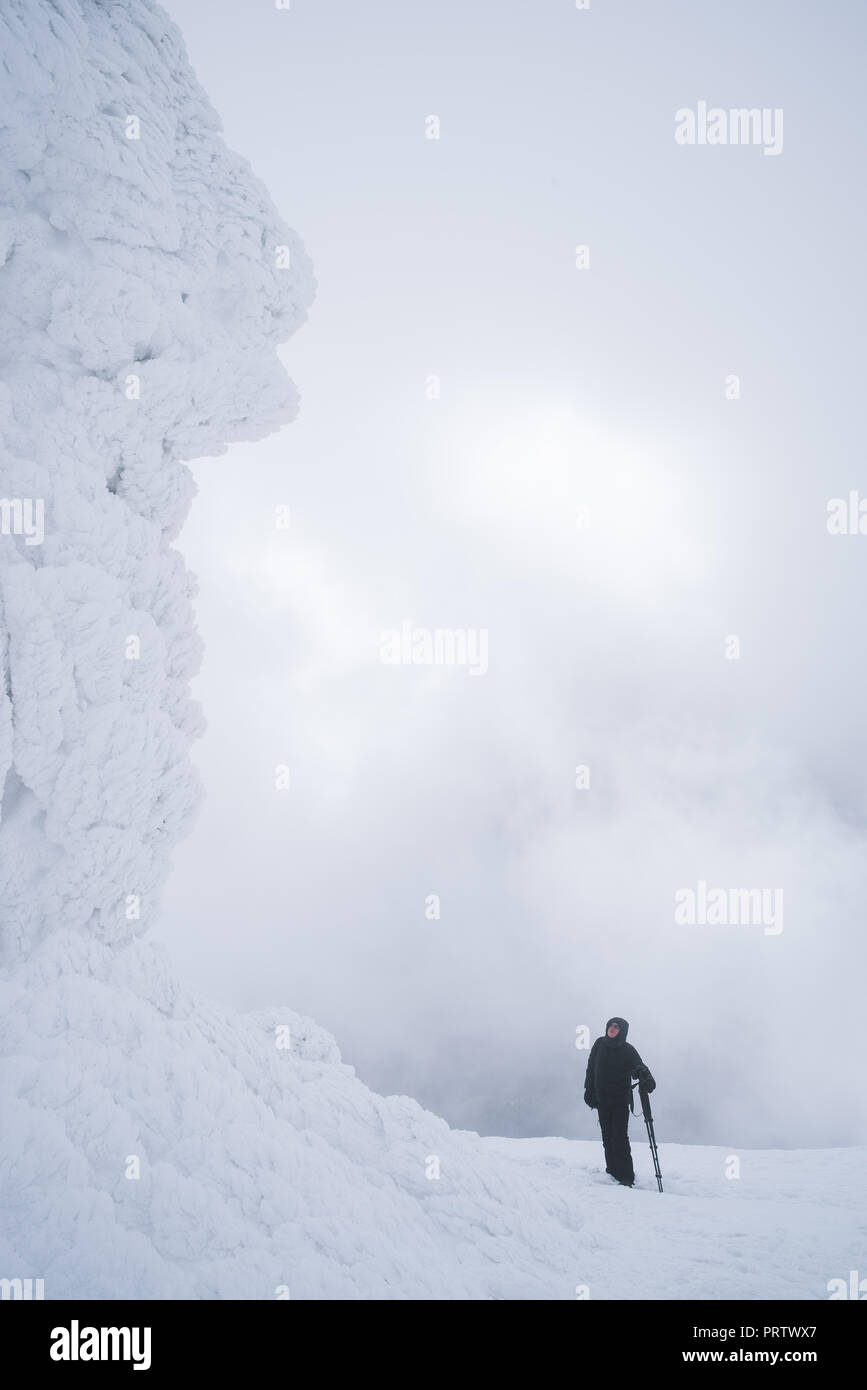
(157,1146)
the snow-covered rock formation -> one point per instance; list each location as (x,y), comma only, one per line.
(154,1145)
(146,280)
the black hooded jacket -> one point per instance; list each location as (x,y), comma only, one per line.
(612,1064)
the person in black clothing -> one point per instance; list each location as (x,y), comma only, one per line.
(608,1089)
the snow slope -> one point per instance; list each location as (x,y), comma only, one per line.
(265,1167)
(156,1145)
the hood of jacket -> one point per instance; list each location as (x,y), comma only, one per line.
(621,1036)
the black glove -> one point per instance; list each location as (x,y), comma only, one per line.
(590,1099)
(645,1080)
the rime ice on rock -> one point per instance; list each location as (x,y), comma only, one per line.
(143,292)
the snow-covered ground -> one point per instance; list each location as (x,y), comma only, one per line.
(265,1168)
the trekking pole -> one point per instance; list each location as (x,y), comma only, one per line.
(648,1120)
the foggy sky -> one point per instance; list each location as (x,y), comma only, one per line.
(601,388)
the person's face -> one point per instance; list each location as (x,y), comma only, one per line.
(613,1030)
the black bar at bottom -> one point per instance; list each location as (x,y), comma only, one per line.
(223,1338)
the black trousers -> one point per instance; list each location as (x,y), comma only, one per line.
(614,1123)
